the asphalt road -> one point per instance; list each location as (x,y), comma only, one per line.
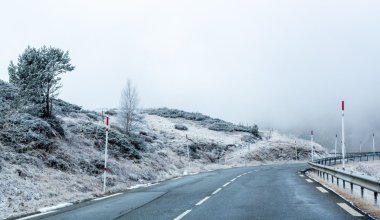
(264,192)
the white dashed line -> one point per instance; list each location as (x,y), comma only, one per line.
(106,197)
(349,209)
(322,189)
(309,180)
(203,200)
(36,215)
(216,191)
(183,214)
(301,175)
(226,184)
(233,179)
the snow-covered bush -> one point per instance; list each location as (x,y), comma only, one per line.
(222,126)
(8,97)
(64,108)
(180,127)
(24,132)
(174,113)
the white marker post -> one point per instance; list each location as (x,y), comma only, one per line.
(188,156)
(343,144)
(105,156)
(312,146)
(373,145)
(295,145)
(336,142)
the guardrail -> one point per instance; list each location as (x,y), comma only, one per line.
(365,156)
(364,182)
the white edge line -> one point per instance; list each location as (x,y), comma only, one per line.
(97,199)
(350,210)
(309,180)
(51,208)
(216,191)
(183,214)
(36,215)
(203,200)
(226,184)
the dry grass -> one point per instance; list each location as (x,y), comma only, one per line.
(366,206)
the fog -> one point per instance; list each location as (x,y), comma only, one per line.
(284,64)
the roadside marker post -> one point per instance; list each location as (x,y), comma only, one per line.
(105,155)
(373,146)
(188,155)
(295,146)
(312,146)
(336,142)
(343,141)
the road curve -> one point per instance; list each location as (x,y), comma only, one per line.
(263,192)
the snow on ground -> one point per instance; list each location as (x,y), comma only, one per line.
(195,131)
(30,185)
(369,168)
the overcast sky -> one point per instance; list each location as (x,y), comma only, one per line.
(284,64)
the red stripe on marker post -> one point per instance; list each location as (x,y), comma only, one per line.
(342,105)
(107,120)
(312,133)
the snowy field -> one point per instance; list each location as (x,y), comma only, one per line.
(370,168)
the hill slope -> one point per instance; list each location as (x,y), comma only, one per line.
(45,162)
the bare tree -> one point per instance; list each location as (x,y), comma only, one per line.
(128,106)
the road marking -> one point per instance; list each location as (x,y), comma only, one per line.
(322,189)
(51,208)
(107,197)
(36,215)
(301,175)
(183,214)
(203,200)
(216,191)
(226,184)
(233,179)
(350,210)
(309,180)
(238,176)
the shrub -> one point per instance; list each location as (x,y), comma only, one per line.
(180,127)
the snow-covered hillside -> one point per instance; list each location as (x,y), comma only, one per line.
(45,162)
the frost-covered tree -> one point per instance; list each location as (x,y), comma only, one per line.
(129,102)
(36,74)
